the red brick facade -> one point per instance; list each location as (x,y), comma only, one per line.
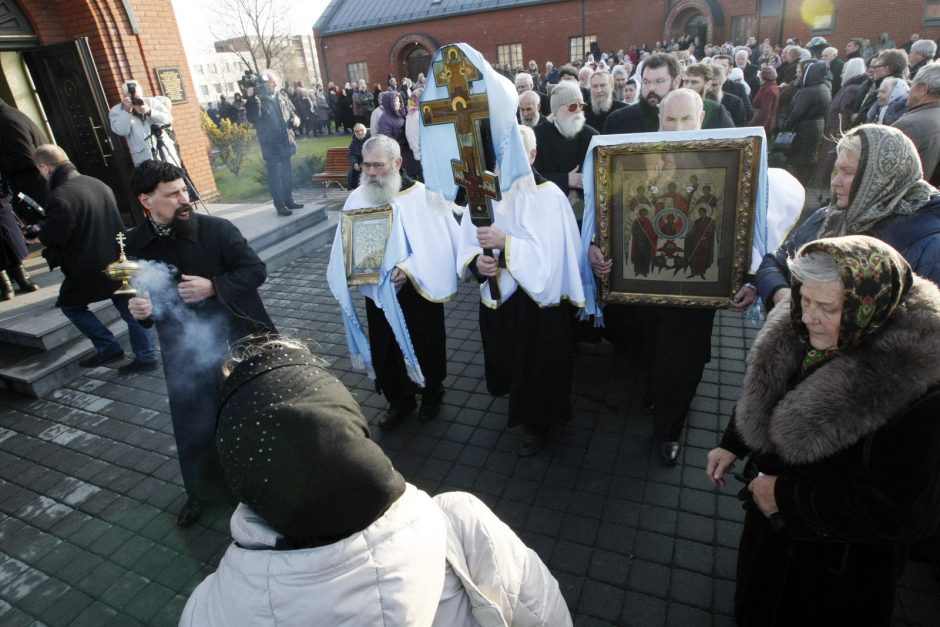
(544,30)
(121,55)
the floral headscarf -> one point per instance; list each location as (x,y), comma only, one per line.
(876,279)
(889,180)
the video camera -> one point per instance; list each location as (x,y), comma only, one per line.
(136,100)
(255,81)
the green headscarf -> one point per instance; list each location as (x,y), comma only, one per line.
(875,278)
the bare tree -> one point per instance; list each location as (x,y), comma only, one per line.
(258,31)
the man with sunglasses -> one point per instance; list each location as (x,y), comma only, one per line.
(563,141)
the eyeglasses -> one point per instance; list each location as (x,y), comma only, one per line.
(658,81)
(575,106)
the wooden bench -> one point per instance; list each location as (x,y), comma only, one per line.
(337,169)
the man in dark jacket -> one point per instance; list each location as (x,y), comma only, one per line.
(19,137)
(274,118)
(749,69)
(210,299)
(660,76)
(79,233)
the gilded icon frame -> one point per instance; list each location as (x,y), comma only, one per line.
(701,195)
(365,236)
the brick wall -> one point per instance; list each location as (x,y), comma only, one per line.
(544,30)
(120,55)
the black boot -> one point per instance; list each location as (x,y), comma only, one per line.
(6,288)
(21,276)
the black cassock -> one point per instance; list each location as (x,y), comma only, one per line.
(218,251)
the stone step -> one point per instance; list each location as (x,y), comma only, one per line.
(37,373)
(300,244)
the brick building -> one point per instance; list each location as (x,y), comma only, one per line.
(77,54)
(371,40)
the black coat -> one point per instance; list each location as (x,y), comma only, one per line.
(735,108)
(195,338)
(12,245)
(752,78)
(19,136)
(855,447)
(597,120)
(642,118)
(218,251)
(275,136)
(738,90)
(835,71)
(82,221)
(807,115)
(557,156)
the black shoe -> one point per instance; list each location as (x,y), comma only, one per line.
(295,205)
(100,359)
(6,288)
(670,452)
(139,366)
(532,440)
(392,418)
(190,513)
(430,407)
(284,212)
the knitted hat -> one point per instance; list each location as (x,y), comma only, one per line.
(295,448)
(768,73)
(565,93)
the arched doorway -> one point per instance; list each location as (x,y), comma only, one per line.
(417,62)
(411,55)
(696,26)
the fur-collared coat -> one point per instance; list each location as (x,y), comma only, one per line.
(856,449)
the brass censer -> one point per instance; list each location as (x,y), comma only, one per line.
(123,270)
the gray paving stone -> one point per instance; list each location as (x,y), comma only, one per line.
(90,484)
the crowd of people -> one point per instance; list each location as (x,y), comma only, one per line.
(836,418)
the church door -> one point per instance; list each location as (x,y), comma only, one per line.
(418,62)
(71,93)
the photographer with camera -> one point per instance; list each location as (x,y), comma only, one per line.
(275,119)
(141,120)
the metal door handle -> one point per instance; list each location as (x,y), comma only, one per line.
(94,131)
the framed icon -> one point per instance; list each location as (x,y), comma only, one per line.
(677,218)
(365,235)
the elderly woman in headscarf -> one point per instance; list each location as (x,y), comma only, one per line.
(766,101)
(838,421)
(877,190)
(327,532)
(392,123)
(891,101)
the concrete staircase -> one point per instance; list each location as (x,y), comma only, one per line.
(40,348)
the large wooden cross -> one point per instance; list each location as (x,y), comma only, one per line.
(467,112)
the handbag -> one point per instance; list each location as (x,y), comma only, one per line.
(783,141)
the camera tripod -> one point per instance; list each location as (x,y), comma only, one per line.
(160,152)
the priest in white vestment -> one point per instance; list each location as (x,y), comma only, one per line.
(406,345)
(527,333)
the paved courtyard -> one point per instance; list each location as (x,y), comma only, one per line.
(89,485)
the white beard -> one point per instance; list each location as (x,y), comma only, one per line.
(602,106)
(570,127)
(380,191)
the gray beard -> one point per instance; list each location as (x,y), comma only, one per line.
(570,127)
(533,122)
(602,106)
(382,190)
(617,93)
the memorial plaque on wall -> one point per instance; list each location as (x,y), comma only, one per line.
(171,83)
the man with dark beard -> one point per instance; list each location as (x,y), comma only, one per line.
(602,100)
(564,141)
(216,290)
(660,76)
(529,114)
(406,343)
(698,77)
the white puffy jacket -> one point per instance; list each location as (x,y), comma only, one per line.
(443,562)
